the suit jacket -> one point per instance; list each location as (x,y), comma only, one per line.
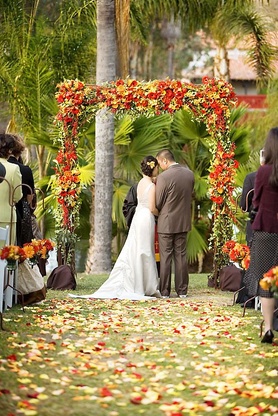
(130,204)
(174,188)
(247,192)
(13,176)
(265,200)
(246,202)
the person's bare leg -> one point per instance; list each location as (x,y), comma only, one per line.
(268,305)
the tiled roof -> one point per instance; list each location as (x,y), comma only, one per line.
(239,68)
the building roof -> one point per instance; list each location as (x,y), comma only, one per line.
(239,68)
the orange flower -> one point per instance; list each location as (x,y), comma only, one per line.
(239,253)
(29,251)
(270,281)
(12,253)
(38,248)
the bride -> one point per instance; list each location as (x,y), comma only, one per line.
(134,275)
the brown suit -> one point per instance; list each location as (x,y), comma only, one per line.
(174,189)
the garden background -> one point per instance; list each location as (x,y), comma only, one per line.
(53,43)
(166,357)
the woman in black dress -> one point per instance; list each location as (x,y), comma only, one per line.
(264,248)
(23,207)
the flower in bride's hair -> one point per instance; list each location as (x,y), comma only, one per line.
(151,164)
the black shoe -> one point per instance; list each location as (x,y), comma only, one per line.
(268,337)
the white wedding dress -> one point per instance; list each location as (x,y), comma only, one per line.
(134,275)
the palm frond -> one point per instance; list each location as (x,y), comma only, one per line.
(196,242)
(119,194)
(149,135)
(240,135)
(87,175)
(245,22)
(124,127)
(187,128)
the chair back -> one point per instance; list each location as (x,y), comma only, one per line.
(4,240)
(4,236)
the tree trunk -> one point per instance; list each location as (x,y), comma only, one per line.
(99,259)
(133,62)
(221,64)
(122,36)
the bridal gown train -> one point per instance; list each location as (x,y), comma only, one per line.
(134,275)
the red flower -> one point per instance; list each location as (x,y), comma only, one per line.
(239,253)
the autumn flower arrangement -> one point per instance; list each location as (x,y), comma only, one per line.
(12,254)
(209,102)
(270,281)
(73,98)
(238,253)
(38,249)
(31,251)
(222,174)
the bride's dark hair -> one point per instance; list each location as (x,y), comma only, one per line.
(148,164)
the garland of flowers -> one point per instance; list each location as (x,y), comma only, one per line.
(71,100)
(209,102)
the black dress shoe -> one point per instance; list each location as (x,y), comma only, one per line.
(268,337)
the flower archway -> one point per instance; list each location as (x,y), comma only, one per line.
(209,102)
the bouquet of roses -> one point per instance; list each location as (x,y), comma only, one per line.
(239,253)
(270,281)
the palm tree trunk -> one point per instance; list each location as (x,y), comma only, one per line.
(221,64)
(122,35)
(99,259)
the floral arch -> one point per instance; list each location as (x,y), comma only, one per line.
(209,102)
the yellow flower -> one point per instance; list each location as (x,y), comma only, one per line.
(265,284)
(29,251)
(151,164)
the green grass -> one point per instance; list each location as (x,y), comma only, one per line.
(77,357)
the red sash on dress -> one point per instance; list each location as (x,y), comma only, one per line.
(156,245)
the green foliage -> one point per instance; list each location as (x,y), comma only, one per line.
(146,137)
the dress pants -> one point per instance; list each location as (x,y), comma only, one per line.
(173,246)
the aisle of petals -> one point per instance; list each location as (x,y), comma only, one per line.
(159,357)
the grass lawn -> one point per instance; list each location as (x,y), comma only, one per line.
(169,357)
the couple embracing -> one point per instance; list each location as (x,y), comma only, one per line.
(134,275)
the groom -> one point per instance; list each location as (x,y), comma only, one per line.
(174,188)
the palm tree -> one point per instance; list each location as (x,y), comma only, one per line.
(238,23)
(40,45)
(99,255)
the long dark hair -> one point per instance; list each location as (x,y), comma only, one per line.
(148,164)
(271,154)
